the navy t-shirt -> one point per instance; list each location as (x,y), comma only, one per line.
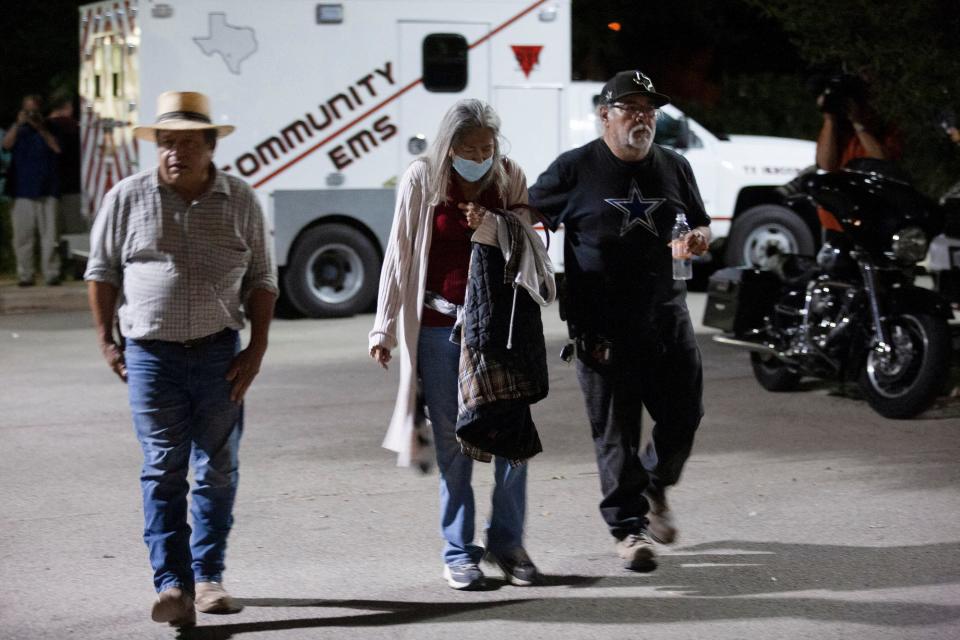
(35,166)
(617,218)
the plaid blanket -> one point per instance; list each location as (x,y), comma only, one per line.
(498,384)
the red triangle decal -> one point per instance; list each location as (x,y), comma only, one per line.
(528,55)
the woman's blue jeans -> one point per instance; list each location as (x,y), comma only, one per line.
(182,412)
(439,365)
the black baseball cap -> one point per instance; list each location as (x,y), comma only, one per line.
(628,83)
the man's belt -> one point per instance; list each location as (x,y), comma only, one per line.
(193,342)
(198,342)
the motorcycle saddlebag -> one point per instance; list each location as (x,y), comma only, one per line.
(739,299)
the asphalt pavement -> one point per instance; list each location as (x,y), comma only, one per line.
(802,515)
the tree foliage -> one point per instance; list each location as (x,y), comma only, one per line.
(909,51)
(41,51)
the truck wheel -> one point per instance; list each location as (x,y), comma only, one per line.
(333,271)
(762,232)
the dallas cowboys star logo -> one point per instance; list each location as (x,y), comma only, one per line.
(636,210)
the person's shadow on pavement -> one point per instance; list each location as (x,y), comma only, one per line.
(724,580)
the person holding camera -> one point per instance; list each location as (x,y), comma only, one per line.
(948,122)
(65,127)
(851,129)
(33,181)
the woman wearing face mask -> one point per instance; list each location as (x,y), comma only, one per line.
(442,203)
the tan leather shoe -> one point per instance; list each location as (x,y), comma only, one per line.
(213,598)
(174,606)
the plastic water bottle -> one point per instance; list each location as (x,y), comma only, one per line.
(682,264)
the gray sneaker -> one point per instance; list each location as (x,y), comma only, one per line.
(463,576)
(636,550)
(660,522)
(518,569)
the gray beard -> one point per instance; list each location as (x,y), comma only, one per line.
(640,142)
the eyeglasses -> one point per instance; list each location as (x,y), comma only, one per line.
(633,110)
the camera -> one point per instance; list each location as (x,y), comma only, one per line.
(837,90)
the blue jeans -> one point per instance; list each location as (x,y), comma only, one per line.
(439,361)
(182,412)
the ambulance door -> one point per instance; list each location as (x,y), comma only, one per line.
(439,58)
(109,84)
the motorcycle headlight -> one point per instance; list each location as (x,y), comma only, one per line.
(910,245)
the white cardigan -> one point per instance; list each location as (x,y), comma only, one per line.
(402,285)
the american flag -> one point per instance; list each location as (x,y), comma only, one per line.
(108,149)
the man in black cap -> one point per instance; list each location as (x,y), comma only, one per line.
(617,198)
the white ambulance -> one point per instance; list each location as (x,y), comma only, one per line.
(332,100)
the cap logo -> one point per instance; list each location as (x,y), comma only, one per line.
(643,81)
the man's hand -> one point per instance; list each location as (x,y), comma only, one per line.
(22,117)
(113,354)
(381,355)
(473,212)
(243,369)
(954,134)
(856,112)
(697,242)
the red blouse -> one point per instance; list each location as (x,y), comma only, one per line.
(449,258)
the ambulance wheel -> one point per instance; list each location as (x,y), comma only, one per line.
(761,232)
(333,271)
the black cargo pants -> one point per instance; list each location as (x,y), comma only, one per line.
(667,378)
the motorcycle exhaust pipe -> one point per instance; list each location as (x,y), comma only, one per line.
(755,346)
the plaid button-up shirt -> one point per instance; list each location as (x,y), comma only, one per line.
(183,268)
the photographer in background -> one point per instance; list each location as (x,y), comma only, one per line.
(851,129)
(948,122)
(33,181)
(65,127)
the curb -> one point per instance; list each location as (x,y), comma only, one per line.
(70,296)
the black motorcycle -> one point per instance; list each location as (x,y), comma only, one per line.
(853,312)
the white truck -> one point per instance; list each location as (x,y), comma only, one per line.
(332,100)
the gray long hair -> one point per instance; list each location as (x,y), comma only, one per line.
(462,118)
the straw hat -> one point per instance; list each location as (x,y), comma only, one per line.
(181,111)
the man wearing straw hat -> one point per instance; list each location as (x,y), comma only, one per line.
(179,256)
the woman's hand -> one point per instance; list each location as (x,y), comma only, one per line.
(381,355)
(473,212)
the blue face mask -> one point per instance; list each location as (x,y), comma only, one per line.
(469,170)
